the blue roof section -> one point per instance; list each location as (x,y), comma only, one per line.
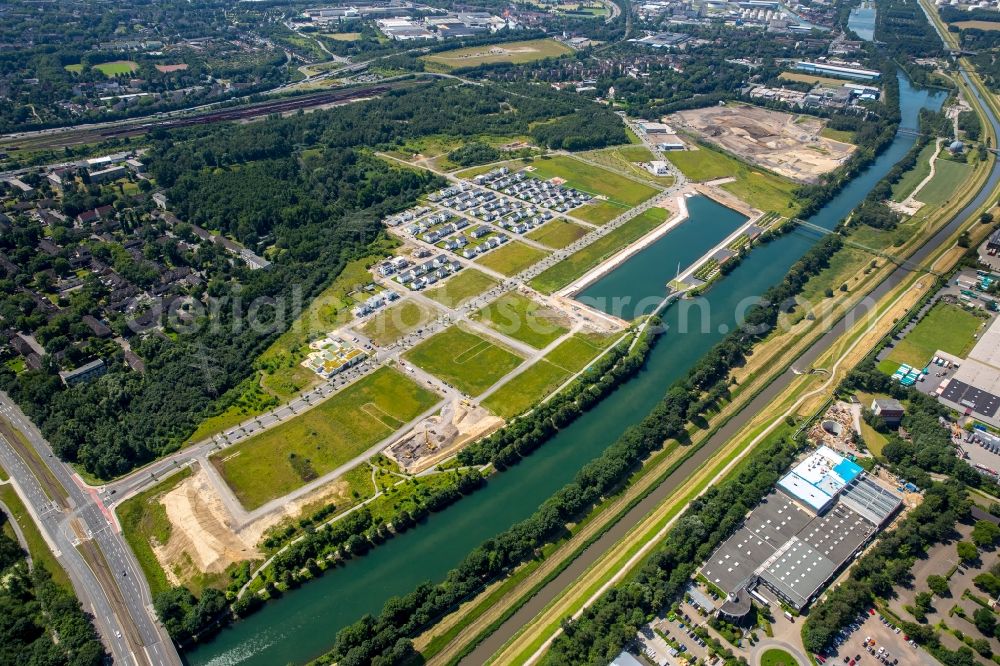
(847,470)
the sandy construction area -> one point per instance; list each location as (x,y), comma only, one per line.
(202,534)
(439,436)
(787,144)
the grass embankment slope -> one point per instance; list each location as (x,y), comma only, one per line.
(284,458)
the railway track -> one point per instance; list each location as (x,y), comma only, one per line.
(243,113)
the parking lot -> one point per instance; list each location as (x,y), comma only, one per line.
(873,640)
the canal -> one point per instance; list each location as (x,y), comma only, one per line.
(862,21)
(303,624)
(638,286)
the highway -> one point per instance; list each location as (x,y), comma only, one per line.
(77,528)
(611,538)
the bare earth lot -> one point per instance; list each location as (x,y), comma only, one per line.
(790,145)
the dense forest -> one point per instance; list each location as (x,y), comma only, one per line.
(307,192)
(41,624)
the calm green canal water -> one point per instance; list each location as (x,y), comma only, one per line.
(303,624)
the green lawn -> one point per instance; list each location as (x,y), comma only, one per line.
(837,135)
(396,321)
(524,319)
(75,69)
(116,67)
(592,179)
(948,176)
(512,52)
(601,212)
(144,523)
(512,257)
(531,386)
(756,186)
(461,288)
(946,327)
(321,439)
(777,657)
(558,233)
(914,176)
(578,263)
(37,547)
(463,359)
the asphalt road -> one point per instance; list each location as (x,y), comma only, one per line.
(104,573)
(538,602)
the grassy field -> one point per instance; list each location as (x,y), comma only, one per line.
(595,180)
(978,25)
(578,263)
(811,78)
(761,189)
(837,135)
(396,321)
(558,233)
(461,288)
(534,384)
(511,258)
(75,69)
(37,548)
(308,446)
(524,319)
(914,176)
(116,67)
(343,36)
(778,657)
(948,175)
(512,52)
(601,212)
(464,360)
(946,327)
(144,523)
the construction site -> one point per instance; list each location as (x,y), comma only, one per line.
(441,435)
(791,145)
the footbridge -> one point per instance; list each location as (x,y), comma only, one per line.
(905,264)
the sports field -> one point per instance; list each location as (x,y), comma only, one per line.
(464,360)
(321,439)
(116,67)
(592,179)
(396,321)
(512,258)
(512,52)
(531,386)
(558,233)
(946,327)
(522,318)
(463,287)
(948,175)
(575,265)
(758,187)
